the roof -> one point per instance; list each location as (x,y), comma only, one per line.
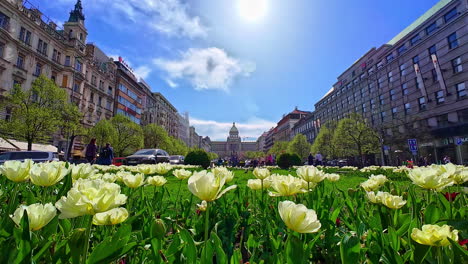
(441,4)
(234,129)
(14,145)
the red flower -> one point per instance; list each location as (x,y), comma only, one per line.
(451,196)
(338,221)
(463,242)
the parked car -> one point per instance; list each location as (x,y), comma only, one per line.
(118,161)
(36,156)
(148,156)
(176,159)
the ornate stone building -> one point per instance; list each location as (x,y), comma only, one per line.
(233,146)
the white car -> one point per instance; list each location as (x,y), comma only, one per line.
(36,156)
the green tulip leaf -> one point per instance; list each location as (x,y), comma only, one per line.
(350,248)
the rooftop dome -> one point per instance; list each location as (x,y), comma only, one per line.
(234,129)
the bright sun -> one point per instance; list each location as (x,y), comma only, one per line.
(252,10)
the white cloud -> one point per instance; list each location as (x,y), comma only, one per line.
(142,72)
(206,69)
(250,130)
(171,83)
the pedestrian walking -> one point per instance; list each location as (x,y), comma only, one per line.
(319,158)
(310,159)
(106,155)
(91,151)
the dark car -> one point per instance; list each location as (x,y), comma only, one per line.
(36,156)
(148,156)
(176,159)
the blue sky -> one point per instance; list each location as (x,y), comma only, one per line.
(211,61)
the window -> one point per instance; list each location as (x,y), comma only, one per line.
(404,89)
(76,87)
(407,108)
(42,47)
(78,65)
(8,114)
(109,91)
(431,28)
(451,15)
(364,109)
(363,76)
(372,103)
(25,36)
(20,61)
(370,71)
(65,81)
(379,65)
(363,92)
(4,21)
(390,57)
(452,40)
(371,87)
(67,61)
(416,60)
(394,112)
(109,105)
(56,56)
(93,80)
(461,91)
(392,94)
(2,49)
(99,101)
(439,96)
(415,40)
(418,85)
(403,70)
(382,115)
(422,103)
(401,49)
(432,50)
(435,76)
(390,76)
(457,65)
(91,97)
(381,99)
(355,81)
(38,70)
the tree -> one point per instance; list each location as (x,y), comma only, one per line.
(353,137)
(324,141)
(178,147)
(299,146)
(103,132)
(156,137)
(36,113)
(213,155)
(71,126)
(279,147)
(253,154)
(128,136)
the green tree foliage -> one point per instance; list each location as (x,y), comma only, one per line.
(198,157)
(253,154)
(353,137)
(213,155)
(156,137)
(279,147)
(299,146)
(103,132)
(324,141)
(128,137)
(286,160)
(39,112)
(177,147)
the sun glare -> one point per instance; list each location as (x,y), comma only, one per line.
(252,10)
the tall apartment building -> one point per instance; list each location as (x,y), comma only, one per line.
(305,126)
(99,87)
(148,104)
(414,83)
(166,115)
(129,93)
(284,127)
(184,128)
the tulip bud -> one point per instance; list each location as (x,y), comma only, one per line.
(158,229)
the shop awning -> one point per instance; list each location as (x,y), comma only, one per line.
(14,145)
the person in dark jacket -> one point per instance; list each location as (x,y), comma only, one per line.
(107,155)
(91,151)
(310,159)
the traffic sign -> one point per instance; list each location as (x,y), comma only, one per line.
(413,145)
(459,141)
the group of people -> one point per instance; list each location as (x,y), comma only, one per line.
(318,160)
(106,155)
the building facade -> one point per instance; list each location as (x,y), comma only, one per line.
(233,147)
(305,126)
(284,127)
(194,138)
(184,128)
(414,85)
(129,94)
(166,115)
(99,86)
